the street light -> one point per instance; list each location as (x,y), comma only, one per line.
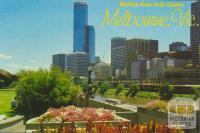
(89,89)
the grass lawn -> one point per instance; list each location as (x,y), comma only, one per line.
(140,98)
(5,98)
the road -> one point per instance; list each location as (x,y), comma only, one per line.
(17,128)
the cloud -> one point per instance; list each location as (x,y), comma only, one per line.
(18,66)
(14,67)
(5,57)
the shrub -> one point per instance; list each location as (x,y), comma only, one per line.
(95,86)
(77,81)
(133,89)
(119,88)
(36,91)
(157,105)
(110,92)
(152,95)
(166,91)
(123,93)
(104,87)
(196,92)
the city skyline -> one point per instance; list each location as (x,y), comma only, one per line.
(42,29)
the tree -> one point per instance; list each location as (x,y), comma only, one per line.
(196,91)
(95,86)
(133,89)
(119,88)
(104,87)
(77,81)
(166,91)
(39,90)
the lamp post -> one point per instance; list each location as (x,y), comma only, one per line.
(89,89)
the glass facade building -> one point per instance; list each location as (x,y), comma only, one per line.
(77,63)
(195,33)
(80,21)
(90,43)
(60,60)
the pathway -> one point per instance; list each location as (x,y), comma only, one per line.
(17,128)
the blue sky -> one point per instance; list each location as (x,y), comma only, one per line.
(31,31)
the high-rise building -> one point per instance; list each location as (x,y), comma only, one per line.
(195,33)
(77,63)
(90,43)
(60,60)
(178,46)
(139,69)
(138,49)
(124,52)
(102,70)
(156,70)
(118,54)
(80,21)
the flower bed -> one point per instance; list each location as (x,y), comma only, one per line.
(121,127)
(72,113)
(73,117)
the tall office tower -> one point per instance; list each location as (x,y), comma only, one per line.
(77,63)
(80,21)
(90,43)
(60,60)
(138,49)
(178,46)
(118,54)
(195,33)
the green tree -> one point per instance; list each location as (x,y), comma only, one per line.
(95,86)
(77,81)
(133,89)
(36,91)
(119,88)
(196,91)
(166,91)
(104,87)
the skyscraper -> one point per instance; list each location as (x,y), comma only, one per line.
(90,42)
(60,60)
(80,21)
(118,54)
(195,33)
(138,49)
(77,63)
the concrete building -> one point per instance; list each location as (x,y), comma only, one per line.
(140,49)
(124,52)
(77,63)
(118,54)
(156,70)
(188,76)
(178,46)
(60,60)
(139,69)
(102,70)
(195,33)
(90,43)
(97,59)
(120,73)
(175,63)
(187,55)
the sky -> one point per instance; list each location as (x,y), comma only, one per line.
(31,31)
